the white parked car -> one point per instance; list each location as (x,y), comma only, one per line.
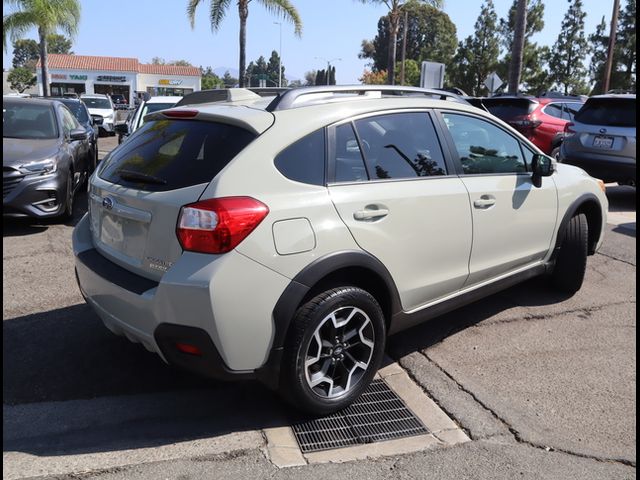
(284,239)
(136,119)
(102,105)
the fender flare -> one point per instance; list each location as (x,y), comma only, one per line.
(568,214)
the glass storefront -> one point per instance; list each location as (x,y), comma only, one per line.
(168,91)
(58,89)
(111,89)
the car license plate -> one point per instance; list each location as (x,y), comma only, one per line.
(602,142)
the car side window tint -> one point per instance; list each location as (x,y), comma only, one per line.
(483,147)
(348,161)
(69,122)
(401,145)
(554,109)
(571,109)
(303,161)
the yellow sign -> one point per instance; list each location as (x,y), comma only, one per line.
(166,81)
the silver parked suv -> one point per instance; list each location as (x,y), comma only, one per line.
(284,238)
(602,138)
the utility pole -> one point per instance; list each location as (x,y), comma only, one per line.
(279,56)
(612,43)
(405,31)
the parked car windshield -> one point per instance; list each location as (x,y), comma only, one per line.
(28,121)
(96,102)
(616,112)
(509,108)
(167,155)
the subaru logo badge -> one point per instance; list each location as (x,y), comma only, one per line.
(107,202)
(603,130)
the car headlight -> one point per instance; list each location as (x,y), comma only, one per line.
(44,166)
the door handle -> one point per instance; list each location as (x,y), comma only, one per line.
(370,213)
(485,201)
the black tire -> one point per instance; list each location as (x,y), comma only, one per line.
(571,264)
(555,153)
(294,386)
(67,211)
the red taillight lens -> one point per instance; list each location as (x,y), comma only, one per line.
(526,124)
(568,129)
(188,348)
(180,113)
(220,224)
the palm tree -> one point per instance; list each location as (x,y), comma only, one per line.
(46,16)
(218,9)
(395,10)
(515,68)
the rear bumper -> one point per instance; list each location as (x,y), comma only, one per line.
(199,301)
(603,166)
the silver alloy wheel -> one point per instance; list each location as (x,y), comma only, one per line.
(339,352)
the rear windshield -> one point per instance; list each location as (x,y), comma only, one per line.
(168,154)
(509,108)
(615,112)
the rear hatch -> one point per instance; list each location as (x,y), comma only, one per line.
(515,111)
(605,125)
(135,200)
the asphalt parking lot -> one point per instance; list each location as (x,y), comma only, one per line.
(543,385)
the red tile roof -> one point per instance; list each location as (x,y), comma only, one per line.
(115,64)
(168,70)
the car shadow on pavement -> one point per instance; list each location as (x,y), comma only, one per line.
(532,293)
(71,386)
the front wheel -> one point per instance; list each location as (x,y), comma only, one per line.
(571,264)
(334,349)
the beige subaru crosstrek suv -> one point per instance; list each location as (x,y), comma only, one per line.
(285,238)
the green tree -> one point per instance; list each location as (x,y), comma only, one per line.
(21,78)
(273,67)
(533,73)
(209,79)
(310,78)
(59,44)
(218,9)
(370,77)
(229,80)
(626,42)
(393,21)
(255,71)
(25,54)
(598,43)
(431,35)
(477,55)
(568,53)
(411,72)
(46,16)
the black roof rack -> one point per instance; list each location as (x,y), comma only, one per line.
(287,99)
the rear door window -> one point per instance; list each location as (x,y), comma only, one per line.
(618,112)
(168,154)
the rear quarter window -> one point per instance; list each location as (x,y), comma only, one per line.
(303,161)
(168,154)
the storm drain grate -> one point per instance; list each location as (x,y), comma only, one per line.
(379,414)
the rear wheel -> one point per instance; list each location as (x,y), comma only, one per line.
(333,351)
(571,264)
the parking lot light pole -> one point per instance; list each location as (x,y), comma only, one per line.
(279,56)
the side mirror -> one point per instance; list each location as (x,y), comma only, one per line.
(78,134)
(97,119)
(121,128)
(541,166)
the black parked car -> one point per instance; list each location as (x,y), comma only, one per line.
(45,158)
(89,122)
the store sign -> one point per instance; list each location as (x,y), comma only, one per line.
(59,76)
(166,81)
(111,78)
(78,77)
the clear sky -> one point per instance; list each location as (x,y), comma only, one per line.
(332,29)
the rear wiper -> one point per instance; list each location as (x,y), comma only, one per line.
(140,177)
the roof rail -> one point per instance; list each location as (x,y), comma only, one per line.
(287,99)
(228,95)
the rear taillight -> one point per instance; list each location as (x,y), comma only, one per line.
(526,124)
(220,224)
(180,113)
(568,130)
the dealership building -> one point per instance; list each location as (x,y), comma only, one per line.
(110,75)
